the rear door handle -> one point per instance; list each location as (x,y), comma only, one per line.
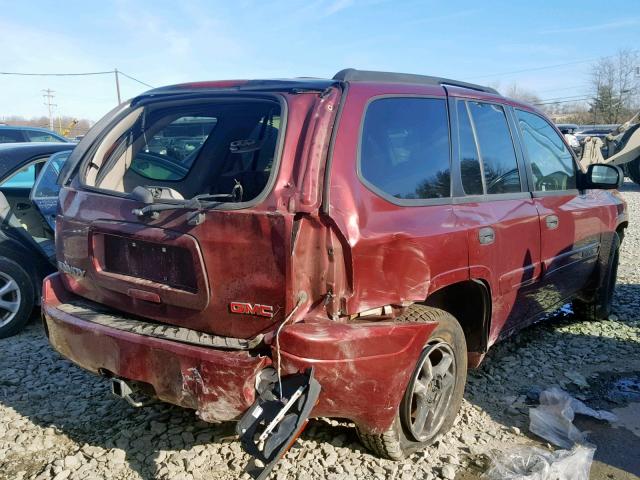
(486,235)
(552,222)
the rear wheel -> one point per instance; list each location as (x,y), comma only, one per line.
(434,393)
(633,170)
(16,297)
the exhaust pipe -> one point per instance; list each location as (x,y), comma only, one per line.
(120,388)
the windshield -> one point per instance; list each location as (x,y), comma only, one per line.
(221,149)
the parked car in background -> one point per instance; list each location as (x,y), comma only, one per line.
(28,199)
(569,131)
(600,131)
(327,247)
(18,134)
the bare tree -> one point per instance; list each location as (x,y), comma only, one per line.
(614,87)
(519,93)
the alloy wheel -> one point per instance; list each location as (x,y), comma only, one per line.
(9,299)
(426,402)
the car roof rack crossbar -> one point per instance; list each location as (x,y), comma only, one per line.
(353,75)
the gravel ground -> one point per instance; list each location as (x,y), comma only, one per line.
(58,422)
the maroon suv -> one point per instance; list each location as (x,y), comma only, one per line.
(281,249)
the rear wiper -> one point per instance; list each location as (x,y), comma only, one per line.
(152,209)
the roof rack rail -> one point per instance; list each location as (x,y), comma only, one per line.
(353,75)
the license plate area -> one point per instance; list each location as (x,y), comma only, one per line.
(163,264)
(166,264)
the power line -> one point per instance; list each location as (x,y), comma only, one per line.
(115,73)
(545,67)
(23,74)
(575,100)
(135,79)
(564,97)
(573,87)
(74,74)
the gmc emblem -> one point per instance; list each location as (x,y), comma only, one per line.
(248,309)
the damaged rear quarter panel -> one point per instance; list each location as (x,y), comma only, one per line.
(363,368)
(395,251)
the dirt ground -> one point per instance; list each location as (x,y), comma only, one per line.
(59,422)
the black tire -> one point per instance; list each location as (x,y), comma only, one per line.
(19,293)
(633,170)
(599,307)
(400,440)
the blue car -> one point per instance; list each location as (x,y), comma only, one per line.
(19,134)
(28,202)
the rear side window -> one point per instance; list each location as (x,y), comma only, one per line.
(470,172)
(23,178)
(11,136)
(551,162)
(497,153)
(404,149)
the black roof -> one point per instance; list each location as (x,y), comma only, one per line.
(293,84)
(353,75)
(348,75)
(15,155)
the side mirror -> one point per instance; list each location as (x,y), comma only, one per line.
(602,176)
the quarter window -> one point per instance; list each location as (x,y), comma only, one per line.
(551,162)
(496,148)
(405,147)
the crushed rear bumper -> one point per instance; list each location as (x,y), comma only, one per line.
(219,384)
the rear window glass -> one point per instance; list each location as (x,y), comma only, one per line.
(404,148)
(223,150)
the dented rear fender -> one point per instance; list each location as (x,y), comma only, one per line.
(363,368)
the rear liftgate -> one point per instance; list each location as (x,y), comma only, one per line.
(276,419)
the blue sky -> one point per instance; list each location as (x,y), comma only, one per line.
(163,42)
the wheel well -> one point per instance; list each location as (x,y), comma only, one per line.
(470,303)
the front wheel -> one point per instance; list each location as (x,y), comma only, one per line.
(434,393)
(16,297)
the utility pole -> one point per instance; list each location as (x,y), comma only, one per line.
(48,97)
(115,71)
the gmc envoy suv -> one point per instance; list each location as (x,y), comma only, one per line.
(267,251)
